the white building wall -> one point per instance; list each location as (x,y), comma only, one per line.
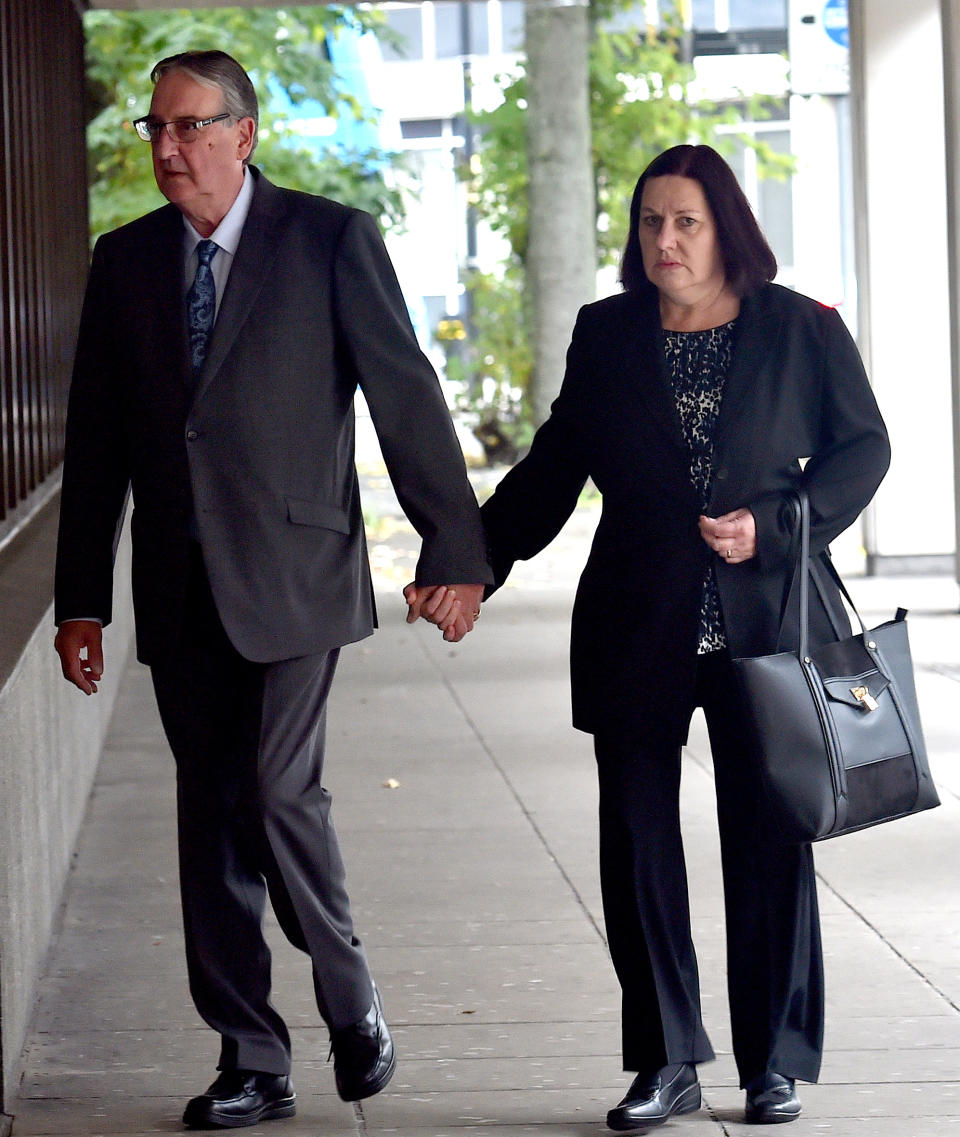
(817,236)
(898,70)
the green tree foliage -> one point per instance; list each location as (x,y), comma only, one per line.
(285,46)
(489,395)
(639,106)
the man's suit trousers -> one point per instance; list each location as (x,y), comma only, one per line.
(774,958)
(254,818)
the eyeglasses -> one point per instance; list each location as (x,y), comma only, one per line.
(179,129)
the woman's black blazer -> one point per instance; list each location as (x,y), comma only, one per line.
(797,410)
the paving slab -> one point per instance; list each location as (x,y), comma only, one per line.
(466,805)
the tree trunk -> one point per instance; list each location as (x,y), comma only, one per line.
(561,258)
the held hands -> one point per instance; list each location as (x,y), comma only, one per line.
(79,644)
(733,537)
(454,608)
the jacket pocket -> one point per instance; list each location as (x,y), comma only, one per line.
(318,514)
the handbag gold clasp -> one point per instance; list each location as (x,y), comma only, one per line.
(864,698)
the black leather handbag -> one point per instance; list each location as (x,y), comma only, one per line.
(837,727)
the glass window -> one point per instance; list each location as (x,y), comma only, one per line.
(771,198)
(407,23)
(736,162)
(452,38)
(758,13)
(511,19)
(421,128)
(741,14)
(704,15)
(776,203)
(436,307)
(632,16)
(480,28)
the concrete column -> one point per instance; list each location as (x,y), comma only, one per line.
(561,257)
(901,218)
(950,16)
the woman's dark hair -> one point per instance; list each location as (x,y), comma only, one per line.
(748,260)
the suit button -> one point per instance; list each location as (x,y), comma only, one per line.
(721,474)
(191,436)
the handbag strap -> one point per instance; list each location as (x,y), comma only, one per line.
(804,563)
(806,572)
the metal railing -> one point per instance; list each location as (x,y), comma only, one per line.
(43,242)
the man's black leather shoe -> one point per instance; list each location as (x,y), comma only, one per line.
(363,1055)
(653,1098)
(241,1097)
(772,1099)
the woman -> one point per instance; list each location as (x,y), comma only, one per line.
(697,400)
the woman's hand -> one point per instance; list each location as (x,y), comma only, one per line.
(733,537)
(454,608)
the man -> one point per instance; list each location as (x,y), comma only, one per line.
(222,340)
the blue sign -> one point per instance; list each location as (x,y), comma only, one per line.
(835,22)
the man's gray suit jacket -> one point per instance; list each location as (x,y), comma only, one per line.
(261,449)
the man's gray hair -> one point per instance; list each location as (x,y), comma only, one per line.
(217,69)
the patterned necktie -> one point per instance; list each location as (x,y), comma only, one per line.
(201,305)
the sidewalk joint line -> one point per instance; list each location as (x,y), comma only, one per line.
(541,837)
(708,768)
(711,1112)
(890,947)
(359,1118)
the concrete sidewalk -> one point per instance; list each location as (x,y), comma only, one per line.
(466,807)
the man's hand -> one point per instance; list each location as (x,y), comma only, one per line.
(79,644)
(454,608)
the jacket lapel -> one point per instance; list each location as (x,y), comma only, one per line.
(648,380)
(258,249)
(158,276)
(757,328)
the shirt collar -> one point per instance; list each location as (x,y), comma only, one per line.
(227,233)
